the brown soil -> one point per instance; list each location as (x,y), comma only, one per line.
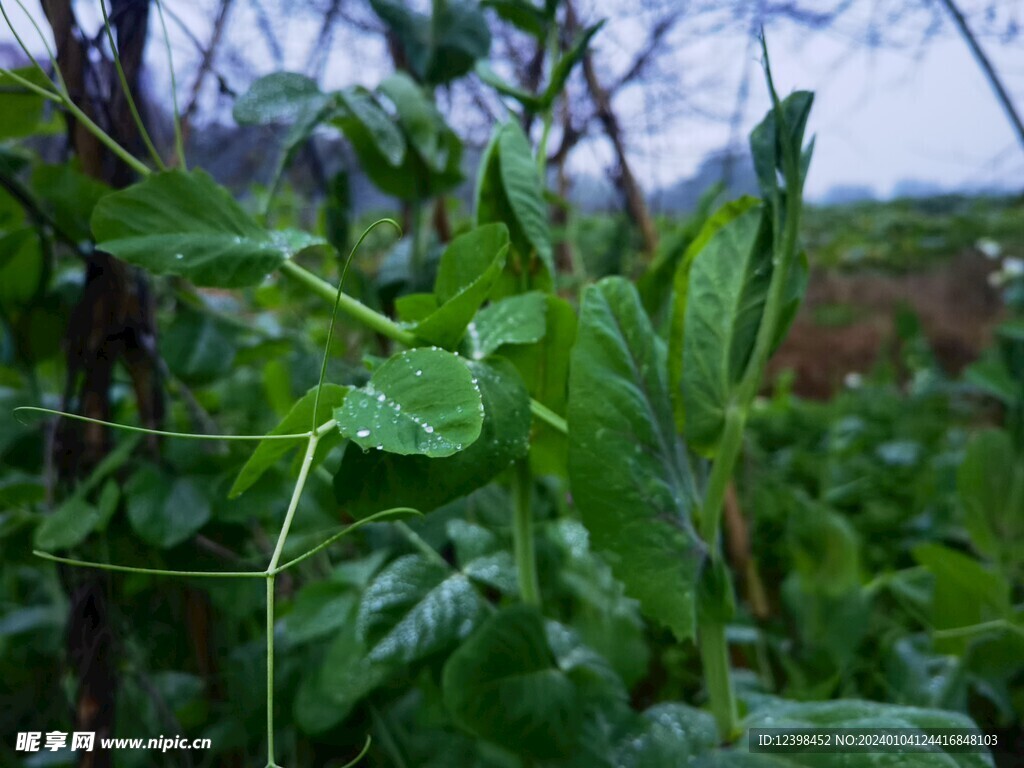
(956,307)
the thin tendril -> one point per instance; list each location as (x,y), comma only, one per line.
(162,433)
(179,140)
(361,755)
(21,43)
(334,312)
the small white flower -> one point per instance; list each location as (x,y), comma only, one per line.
(1013,267)
(989,247)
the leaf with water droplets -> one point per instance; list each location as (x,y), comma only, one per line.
(630,474)
(517,319)
(422,401)
(183,223)
(367,482)
(298,419)
(469,267)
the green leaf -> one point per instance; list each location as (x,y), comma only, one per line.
(564,66)
(991,485)
(319,609)
(728,285)
(67,526)
(681,288)
(363,108)
(165,510)
(442,48)
(966,593)
(184,223)
(517,319)
(521,14)
(68,195)
(469,267)
(22,110)
(367,482)
(766,146)
(299,419)
(504,685)
(198,347)
(422,401)
(630,474)
(667,735)
(509,189)
(22,268)
(419,119)
(487,74)
(415,608)
(281,97)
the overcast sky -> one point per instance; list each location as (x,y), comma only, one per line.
(881,116)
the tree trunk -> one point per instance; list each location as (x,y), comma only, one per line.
(113,321)
(625,181)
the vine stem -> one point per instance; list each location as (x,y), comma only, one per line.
(387,327)
(714,655)
(522,534)
(712,641)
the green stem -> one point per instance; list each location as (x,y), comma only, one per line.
(522,534)
(271,762)
(714,654)
(300,483)
(387,327)
(374,518)
(721,474)
(355,309)
(418,543)
(149,571)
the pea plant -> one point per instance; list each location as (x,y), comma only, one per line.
(598,432)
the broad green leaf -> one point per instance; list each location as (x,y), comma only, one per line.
(630,474)
(21,110)
(184,223)
(469,267)
(728,284)
(165,510)
(415,608)
(198,347)
(280,97)
(423,401)
(299,419)
(330,690)
(432,160)
(67,526)
(69,195)
(966,593)
(991,485)
(442,48)
(319,608)
(367,482)
(522,14)
(385,135)
(681,288)
(509,189)
(22,268)
(667,736)
(516,320)
(504,685)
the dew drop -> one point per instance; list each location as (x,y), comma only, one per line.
(428,429)
(179,256)
(419,373)
(381,398)
(363,433)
